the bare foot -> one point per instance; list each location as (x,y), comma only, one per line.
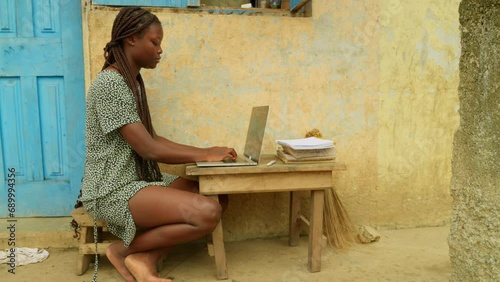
(143,271)
(118,261)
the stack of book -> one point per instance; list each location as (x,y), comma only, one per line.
(310,149)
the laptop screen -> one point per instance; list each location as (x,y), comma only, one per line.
(255,134)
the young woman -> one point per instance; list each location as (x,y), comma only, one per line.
(122,183)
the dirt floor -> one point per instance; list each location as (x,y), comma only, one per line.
(401,255)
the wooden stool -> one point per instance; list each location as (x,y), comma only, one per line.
(87,248)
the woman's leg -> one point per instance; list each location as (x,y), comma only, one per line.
(173,216)
(193,186)
(153,256)
(150,258)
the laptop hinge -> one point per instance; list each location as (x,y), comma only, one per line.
(249,158)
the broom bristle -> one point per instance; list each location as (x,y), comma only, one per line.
(340,231)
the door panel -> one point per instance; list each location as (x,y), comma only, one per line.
(47,22)
(13,137)
(7,19)
(53,127)
(42,110)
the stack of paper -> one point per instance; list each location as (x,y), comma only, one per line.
(306,150)
(306,143)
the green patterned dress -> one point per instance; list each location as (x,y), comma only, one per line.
(110,178)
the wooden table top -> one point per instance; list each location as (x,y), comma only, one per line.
(279,166)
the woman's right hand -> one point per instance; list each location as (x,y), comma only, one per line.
(215,154)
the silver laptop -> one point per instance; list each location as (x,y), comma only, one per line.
(253,144)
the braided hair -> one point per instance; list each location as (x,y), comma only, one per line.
(131,21)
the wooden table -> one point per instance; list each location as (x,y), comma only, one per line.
(280,177)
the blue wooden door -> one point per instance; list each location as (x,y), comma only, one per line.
(42,105)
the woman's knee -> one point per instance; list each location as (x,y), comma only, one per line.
(210,214)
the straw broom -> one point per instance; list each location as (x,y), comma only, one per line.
(340,231)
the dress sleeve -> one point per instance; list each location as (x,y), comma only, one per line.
(116,105)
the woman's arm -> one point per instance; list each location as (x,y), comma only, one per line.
(166,151)
(173,144)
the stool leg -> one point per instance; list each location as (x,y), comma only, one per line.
(219,250)
(82,260)
(294,231)
(316,230)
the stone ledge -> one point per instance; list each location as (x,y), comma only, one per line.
(44,232)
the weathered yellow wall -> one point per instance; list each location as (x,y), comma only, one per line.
(380,77)
(417,114)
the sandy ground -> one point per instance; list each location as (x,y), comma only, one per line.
(401,255)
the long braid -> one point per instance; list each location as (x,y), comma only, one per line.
(152,165)
(130,21)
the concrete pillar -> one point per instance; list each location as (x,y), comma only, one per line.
(475,231)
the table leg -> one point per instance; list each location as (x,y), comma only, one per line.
(294,232)
(219,251)
(316,230)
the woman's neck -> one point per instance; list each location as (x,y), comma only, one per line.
(133,67)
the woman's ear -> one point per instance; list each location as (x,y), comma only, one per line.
(130,40)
